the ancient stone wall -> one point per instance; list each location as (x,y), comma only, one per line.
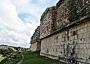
(70,10)
(33,47)
(69,38)
(45,26)
(48,19)
(35,40)
(71,42)
(62,13)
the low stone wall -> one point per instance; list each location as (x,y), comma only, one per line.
(73,41)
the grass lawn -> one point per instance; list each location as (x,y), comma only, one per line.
(35,58)
(1,58)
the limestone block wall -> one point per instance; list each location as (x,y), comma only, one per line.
(82,41)
(33,46)
(71,42)
(65,39)
(47,21)
(38,46)
(35,40)
(52,46)
(49,47)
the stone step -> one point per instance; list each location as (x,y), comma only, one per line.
(65,57)
(66,62)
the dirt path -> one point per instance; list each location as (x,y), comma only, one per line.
(21,59)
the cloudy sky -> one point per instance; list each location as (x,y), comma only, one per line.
(19,19)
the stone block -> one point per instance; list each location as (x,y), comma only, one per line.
(84,35)
(85,51)
(80,36)
(79,31)
(77,51)
(70,33)
(88,28)
(88,40)
(82,30)
(89,51)
(71,38)
(88,34)
(88,46)
(88,24)
(85,24)
(76,37)
(85,29)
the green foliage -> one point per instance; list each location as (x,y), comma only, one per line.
(83,12)
(73,11)
(88,12)
(52,8)
(1,58)
(5,52)
(14,58)
(35,58)
(77,10)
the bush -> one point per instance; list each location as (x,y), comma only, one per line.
(5,52)
(14,58)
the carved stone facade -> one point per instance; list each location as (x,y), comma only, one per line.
(70,10)
(65,32)
(73,41)
(48,19)
(62,13)
(35,40)
(69,39)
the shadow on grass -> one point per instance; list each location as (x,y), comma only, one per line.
(35,58)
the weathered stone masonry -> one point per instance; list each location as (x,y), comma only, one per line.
(64,32)
(35,40)
(48,19)
(69,40)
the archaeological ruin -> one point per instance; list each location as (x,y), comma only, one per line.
(65,32)
(35,40)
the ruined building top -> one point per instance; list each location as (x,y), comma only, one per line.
(49,9)
(36,36)
(47,21)
(59,3)
(65,32)
(66,12)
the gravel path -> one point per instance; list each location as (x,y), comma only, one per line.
(20,62)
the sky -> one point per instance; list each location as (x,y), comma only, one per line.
(19,19)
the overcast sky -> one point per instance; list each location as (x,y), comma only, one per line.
(19,19)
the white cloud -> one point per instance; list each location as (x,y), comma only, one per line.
(9,17)
(26,6)
(15,31)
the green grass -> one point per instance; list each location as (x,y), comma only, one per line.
(12,59)
(2,58)
(35,58)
